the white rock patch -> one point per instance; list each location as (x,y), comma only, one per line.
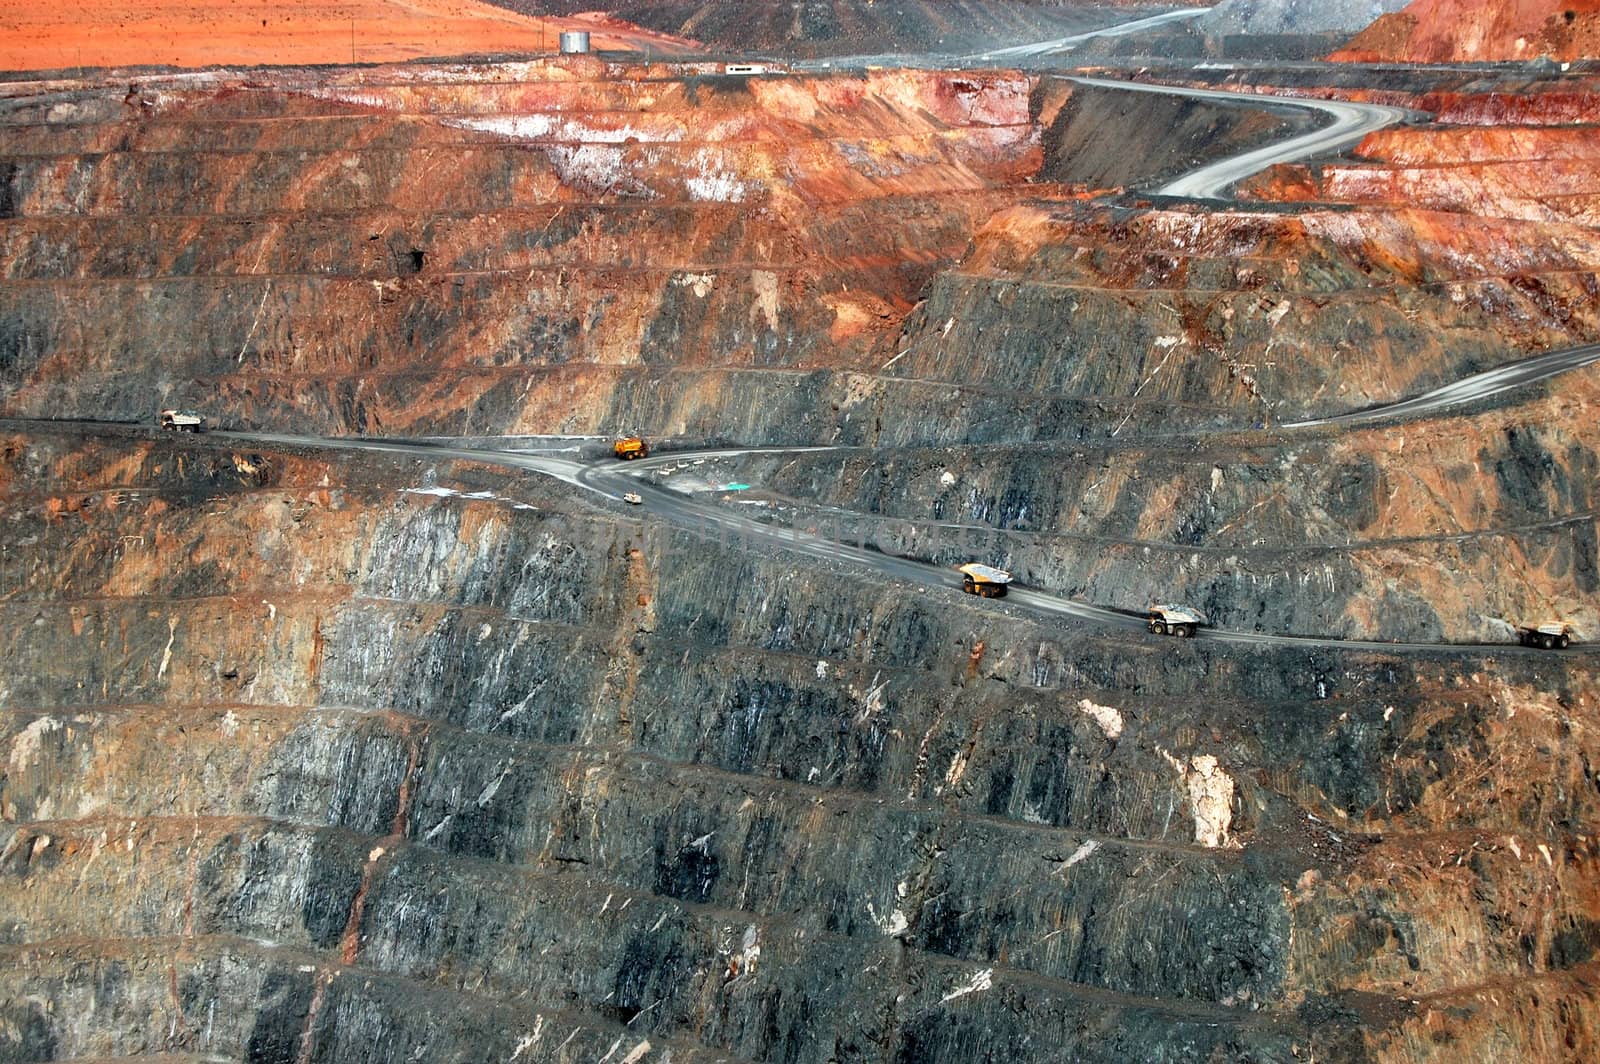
(1108,717)
(25,748)
(892,923)
(982,981)
(702,283)
(1210,792)
(716,188)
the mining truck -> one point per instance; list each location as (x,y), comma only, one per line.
(630,447)
(1553,635)
(182,421)
(1171,619)
(985,580)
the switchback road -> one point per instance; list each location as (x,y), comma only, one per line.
(1351,122)
(722,527)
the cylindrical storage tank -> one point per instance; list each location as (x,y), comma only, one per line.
(574,42)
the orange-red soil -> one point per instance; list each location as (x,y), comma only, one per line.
(196,33)
(1528,156)
(1456,31)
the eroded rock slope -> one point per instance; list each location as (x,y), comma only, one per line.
(324,756)
(600,783)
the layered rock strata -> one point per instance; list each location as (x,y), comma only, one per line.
(324,756)
(606,788)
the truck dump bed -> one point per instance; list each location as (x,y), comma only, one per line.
(986,573)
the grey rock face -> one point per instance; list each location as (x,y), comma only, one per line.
(1295,16)
(580,786)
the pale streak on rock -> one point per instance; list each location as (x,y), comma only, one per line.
(980,982)
(1210,795)
(25,748)
(166,653)
(1109,718)
(765,284)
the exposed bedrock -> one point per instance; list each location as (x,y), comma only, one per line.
(321,756)
(1447,528)
(766,260)
(590,774)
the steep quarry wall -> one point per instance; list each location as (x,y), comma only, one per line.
(1246,318)
(376,295)
(388,253)
(599,784)
(326,756)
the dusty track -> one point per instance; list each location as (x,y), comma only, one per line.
(610,480)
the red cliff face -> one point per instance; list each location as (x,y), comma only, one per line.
(1457,31)
(552,221)
(1524,154)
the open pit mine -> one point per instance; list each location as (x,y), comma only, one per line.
(644,555)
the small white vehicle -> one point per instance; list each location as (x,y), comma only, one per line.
(1553,635)
(1172,619)
(632,497)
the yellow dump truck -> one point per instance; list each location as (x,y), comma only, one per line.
(182,421)
(1552,635)
(984,580)
(1168,618)
(628,448)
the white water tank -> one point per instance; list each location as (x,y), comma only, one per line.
(574,42)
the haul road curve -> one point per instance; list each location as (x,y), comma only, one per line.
(611,479)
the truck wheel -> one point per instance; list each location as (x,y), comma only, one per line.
(968,586)
(1158,627)
(1548,642)
(1000,591)
(1183,631)
(1563,640)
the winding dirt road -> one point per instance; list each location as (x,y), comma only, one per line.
(610,479)
(1351,122)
